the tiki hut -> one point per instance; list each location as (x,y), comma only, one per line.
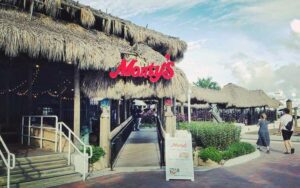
(89,43)
(202,95)
(240,97)
(233,96)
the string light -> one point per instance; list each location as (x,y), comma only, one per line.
(50,92)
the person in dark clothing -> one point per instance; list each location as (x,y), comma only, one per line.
(138,113)
(263,133)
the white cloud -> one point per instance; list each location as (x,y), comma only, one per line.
(129,8)
(254,74)
(196,45)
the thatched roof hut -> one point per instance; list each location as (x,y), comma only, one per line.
(234,96)
(242,98)
(202,95)
(66,31)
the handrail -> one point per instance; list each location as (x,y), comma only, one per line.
(41,127)
(118,137)
(58,126)
(161,134)
(161,128)
(118,129)
(70,133)
(7,162)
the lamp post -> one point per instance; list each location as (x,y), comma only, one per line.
(189,105)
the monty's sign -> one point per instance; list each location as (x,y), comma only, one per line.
(152,72)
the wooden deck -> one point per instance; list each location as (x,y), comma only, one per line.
(140,150)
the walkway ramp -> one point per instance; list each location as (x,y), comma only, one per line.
(140,150)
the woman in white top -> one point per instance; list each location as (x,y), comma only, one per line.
(287,127)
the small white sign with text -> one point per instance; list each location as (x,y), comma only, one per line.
(179,156)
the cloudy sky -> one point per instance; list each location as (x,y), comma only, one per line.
(253,43)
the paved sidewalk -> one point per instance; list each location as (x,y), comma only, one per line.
(141,150)
(272,137)
(274,170)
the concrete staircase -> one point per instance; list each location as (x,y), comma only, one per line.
(40,172)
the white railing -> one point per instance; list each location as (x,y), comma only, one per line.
(77,142)
(7,161)
(29,122)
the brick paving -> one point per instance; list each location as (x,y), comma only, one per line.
(273,170)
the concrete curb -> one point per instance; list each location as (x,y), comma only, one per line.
(107,171)
(231,162)
(242,159)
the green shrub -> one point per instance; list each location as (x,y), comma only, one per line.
(210,153)
(98,152)
(209,134)
(237,149)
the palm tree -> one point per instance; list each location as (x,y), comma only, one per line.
(207,83)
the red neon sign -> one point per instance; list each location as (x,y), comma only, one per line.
(152,72)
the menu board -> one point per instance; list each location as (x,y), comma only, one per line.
(179,156)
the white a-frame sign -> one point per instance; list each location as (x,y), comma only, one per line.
(179,156)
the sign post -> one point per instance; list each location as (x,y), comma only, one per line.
(179,156)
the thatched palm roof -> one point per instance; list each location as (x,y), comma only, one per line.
(56,41)
(99,85)
(234,96)
(243,98)
(202,95)
(71,12)
(270,102)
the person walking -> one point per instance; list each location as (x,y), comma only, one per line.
(138,118)
(263,133)
(287,127)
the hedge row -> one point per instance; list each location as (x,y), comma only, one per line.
(234,150)
(209,134)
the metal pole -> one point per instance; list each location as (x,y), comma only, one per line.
(189,105)
(56,134)
(41,134)
(28,135)
(8,172)
(22,128)
(60,137)
(84,158)
(69,154)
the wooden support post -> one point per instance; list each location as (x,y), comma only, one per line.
(76,122)
(182,108)
(296,116)
(125,108)
(170,122)
(162,109)
(105,135)
(31,8)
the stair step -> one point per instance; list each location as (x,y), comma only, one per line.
(37,166)
(49,182)
(37,176)
(39,172)
(36,159)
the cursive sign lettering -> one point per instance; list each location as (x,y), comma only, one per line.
(152,72)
